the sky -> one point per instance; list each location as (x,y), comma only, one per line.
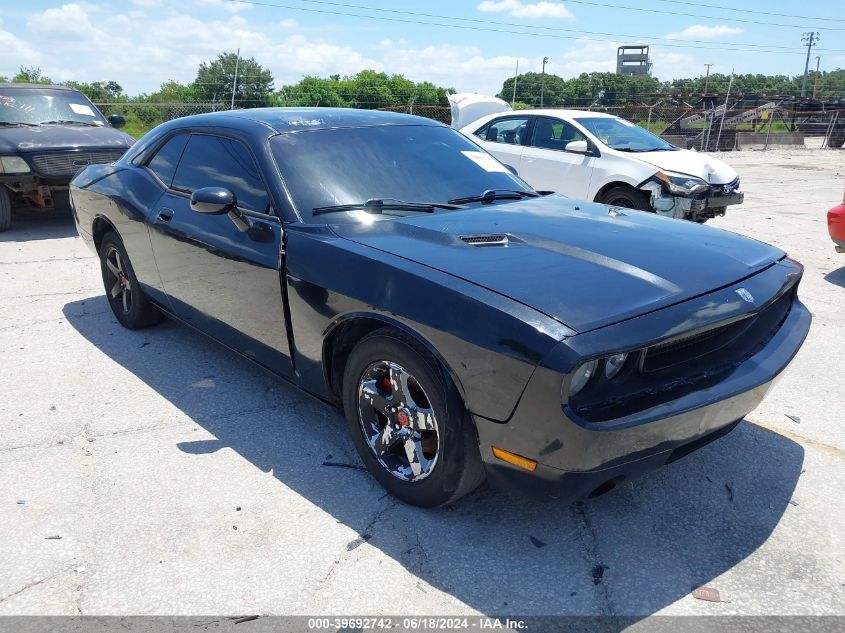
(470,45)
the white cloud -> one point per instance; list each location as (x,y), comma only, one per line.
(16,53)
(228,5)
(147,4)
(702,32)
(288,24)
(519,9)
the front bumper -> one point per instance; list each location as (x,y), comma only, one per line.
(718,201)
(576,457)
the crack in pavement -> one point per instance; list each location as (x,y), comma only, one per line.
(827,448)
(590,542)
(367,531)
(37,582)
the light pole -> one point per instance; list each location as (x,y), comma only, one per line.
(707,76)
(812,38)
(816,82)
(543,80)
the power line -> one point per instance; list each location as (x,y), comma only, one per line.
(531,26)
(696,15)
(754,11)
(772,49)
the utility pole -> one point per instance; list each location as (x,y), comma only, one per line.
(816,82)
(515,77)
(811,38)
(235,80)
(543,80)
(707,76)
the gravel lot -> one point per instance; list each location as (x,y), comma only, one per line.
(183,480)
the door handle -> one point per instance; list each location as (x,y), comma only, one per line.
(165,215)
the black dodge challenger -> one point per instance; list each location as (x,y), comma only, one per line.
(467,325)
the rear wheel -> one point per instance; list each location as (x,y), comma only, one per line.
(128,302)
(408,423)
(5,209)
(627,197)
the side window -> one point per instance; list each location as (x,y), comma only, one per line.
(214,161)
(163,164)
(554,134)
(508,130)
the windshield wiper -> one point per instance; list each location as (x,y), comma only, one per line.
(69,122)
(378,205)
(496,194)
(18,123)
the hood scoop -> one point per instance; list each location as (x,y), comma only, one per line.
(486,240)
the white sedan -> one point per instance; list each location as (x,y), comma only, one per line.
(596,156)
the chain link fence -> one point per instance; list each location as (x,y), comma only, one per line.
(705,126)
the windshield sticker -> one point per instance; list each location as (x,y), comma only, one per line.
(486,162)
(80,108)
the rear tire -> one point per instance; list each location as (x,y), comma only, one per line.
(626,197)
(407,421)
(5,209)
(130,305)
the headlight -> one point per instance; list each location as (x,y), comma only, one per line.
(13,165)
(581,376)
(614,364)
(681,184)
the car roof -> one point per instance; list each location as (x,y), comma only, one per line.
(38,86)
(563,113)
(298,119)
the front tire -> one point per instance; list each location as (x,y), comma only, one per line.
(407,421)
(130,305)
(5,209)
(626,197)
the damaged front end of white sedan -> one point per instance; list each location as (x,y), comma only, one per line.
(597,156)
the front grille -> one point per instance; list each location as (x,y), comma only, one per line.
(690,347)
(68,163)
(675,367)
(720,190)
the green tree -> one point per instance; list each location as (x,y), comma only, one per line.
(99,91)
(216,79)
(31,75)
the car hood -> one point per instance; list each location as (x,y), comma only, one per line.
(684,161)
(58,137)
(577,262)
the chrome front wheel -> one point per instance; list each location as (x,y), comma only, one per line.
(398,421)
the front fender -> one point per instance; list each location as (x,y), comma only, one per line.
(488,343)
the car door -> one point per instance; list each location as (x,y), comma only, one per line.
(221,272)
(504,137)
(546,165)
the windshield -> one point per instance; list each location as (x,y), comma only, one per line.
(40,105)
(623,135)
(412,163)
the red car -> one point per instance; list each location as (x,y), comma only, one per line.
(836,226)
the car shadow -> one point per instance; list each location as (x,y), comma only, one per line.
(30,225)
(628,554)
(836,277)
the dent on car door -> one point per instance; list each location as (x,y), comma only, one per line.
(547,165)
(504,137)
(221,271)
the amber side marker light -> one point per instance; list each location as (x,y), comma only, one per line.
(513,458)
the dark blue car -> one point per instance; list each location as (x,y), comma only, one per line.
(466,324)
(47,134)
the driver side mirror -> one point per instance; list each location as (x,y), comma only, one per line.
(578,147)
(116,121)
(213,200)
